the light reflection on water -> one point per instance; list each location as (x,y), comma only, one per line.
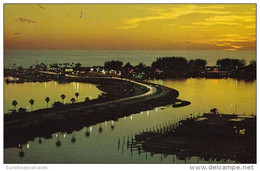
(109,146)
(22,93)
(227,95)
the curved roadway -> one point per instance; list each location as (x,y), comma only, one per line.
(152,90)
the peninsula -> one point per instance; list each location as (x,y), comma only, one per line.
(121,97)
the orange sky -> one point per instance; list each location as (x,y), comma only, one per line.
(130,26)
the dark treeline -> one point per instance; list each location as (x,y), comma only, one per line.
(171,67)
(180,67)
(113,65)
(231,64)
(163,67)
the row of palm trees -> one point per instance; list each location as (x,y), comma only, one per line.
(47,99)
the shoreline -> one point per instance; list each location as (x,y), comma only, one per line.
(46,122)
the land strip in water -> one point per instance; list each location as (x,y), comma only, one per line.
(122,97)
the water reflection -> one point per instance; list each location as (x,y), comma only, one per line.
(205,94)
(58,142)
(21,152)
(112,125)
(40,91)
(100,130)
(100,146)
(73,139)
(40,140)
(87,132)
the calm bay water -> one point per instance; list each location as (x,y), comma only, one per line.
(22,93)
(227,95)
(26,58)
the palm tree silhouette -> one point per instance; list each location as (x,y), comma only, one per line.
(21,153)
(88,132)
(73,139)
(63,97)
(58,143)
(47,99)
(112,125)
(77,95)
(73,100)
(31,102)
(100,130)
(14,103)
(40,140)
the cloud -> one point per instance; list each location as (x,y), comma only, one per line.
(231,18)
(197,27)
(161,14)
(228,42)
(226,20)
(228,45)
(236,46)
(169,13)
(21,19)
(233,42)
(221,15)
(222,44)
(251,26)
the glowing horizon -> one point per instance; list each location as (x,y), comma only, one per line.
(130,26)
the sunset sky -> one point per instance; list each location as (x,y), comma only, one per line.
(130,26)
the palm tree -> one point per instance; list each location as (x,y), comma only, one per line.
(88,132)
(14,103)
(47,99)
(73,139)
(100,130)
(87,99)
(73,100)
(58,143)
(63,97)
(77,95)
(21,153)
(112,125)
(40,140)
(31,102)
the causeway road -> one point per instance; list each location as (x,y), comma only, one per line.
(152,91)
